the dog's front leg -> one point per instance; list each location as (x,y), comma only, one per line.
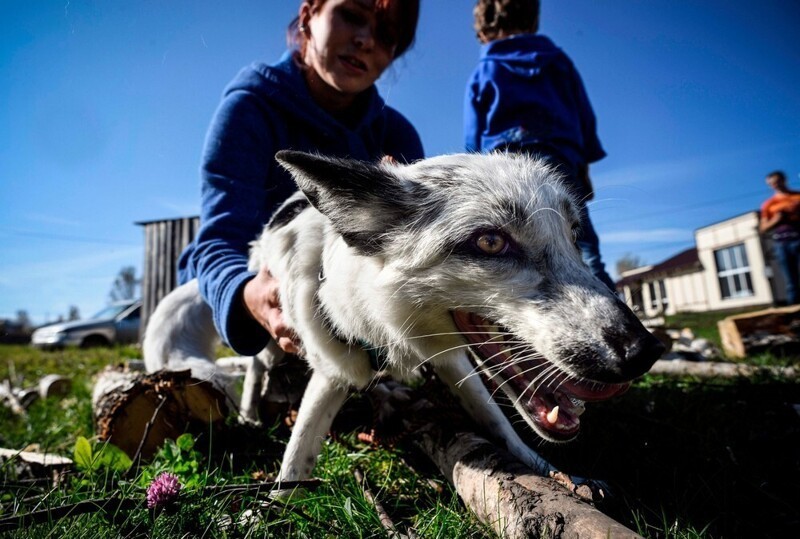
(321,402)
(457,372)
(255,380)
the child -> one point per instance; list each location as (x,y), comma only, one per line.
(526,96)
(319,97)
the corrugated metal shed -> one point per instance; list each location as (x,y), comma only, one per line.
(164,240)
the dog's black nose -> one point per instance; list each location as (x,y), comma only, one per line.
(640,356)
(636,349)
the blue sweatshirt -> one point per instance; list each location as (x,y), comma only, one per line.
(263,110)
(526,93)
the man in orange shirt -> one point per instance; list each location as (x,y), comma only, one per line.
(780,215)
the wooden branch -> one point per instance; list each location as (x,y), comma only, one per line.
(112,504)
(714,369)
(383,516)
(507,496)
(266,486)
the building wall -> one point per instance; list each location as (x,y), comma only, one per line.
(741,230)
(687,293)
(698,291)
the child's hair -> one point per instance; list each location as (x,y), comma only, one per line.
(406,27)
(496,18)
(781,175)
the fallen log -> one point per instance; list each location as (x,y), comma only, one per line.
(508,496)
(502,492)
(717,369)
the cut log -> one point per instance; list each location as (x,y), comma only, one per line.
(137,412)
(32,464)
(740,333)
(52,385)
(717,369)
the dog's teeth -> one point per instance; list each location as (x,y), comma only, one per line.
(578,406)
(552,416)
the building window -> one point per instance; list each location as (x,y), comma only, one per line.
(637,299)
(651,289)
(663,289)
(733,272)
(658,301)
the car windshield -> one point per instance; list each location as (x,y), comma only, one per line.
(110,312)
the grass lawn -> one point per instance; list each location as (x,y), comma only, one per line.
(683,458)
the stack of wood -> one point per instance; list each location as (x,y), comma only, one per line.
(775,330)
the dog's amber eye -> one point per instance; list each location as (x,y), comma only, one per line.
(491,243)
(576,232)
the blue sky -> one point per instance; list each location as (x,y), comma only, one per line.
(105,105)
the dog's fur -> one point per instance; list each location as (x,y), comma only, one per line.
(424,261)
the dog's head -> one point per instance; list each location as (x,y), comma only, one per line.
(487,243)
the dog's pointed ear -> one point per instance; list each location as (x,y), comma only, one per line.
(362,200)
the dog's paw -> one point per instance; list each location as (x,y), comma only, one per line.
(589,490)
(249,421)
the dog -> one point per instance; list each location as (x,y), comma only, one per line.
(434,262)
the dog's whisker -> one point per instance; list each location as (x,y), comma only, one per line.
(522,373)
(538,381)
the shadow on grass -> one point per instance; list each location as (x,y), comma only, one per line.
(724,458)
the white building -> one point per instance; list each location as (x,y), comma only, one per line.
(731,267)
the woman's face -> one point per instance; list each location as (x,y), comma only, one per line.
(347,48)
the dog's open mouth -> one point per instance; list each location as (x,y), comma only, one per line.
(551,399)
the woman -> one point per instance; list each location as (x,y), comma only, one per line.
(319,97)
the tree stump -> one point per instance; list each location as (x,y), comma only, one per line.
(137,412)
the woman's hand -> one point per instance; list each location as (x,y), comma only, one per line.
(262,301)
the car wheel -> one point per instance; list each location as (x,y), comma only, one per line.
(93,341)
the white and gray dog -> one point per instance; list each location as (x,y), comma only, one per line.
(426,261)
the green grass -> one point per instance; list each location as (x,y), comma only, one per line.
(684,459)
(337,508)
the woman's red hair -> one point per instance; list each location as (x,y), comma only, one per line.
(406,26)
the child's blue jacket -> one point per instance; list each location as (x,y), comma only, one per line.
(526,93)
